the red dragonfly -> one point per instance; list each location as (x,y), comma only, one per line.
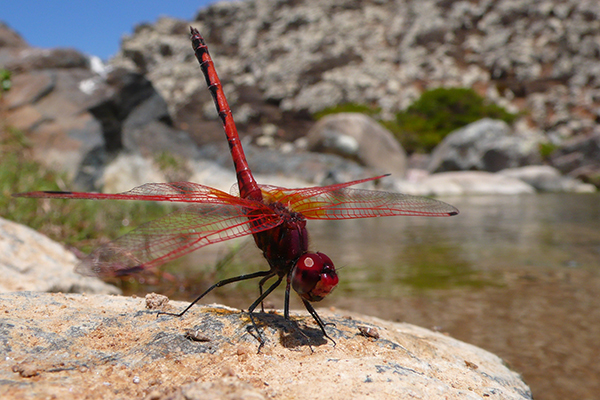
(275,216)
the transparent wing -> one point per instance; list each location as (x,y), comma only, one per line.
(187,192)
(176,234)
(339,202)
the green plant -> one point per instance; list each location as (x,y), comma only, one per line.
(348,108)
(5,82)
(546,149)
(80,223)
(424,124)
(174,167)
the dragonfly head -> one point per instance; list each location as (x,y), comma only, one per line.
(314,276)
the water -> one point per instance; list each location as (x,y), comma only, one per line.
(493,239)
(390,256)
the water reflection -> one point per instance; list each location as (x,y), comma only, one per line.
(387,256)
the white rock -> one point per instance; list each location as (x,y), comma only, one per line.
(32,261)
(128,171)
(464,183)
(548,179)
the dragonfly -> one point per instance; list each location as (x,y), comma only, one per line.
(276,217)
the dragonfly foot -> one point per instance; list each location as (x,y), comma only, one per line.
(258,336)
(158,314)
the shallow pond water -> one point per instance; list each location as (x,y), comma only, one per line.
(388,256)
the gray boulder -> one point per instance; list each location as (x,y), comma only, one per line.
(545,178)
(485,145)
(360,138)
(580,158)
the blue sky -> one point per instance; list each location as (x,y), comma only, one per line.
(94,27)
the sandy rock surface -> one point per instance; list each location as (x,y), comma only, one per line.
(98,346)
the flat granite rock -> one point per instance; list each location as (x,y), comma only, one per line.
(77,346)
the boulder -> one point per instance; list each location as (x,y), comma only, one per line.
(360,138)
(78,118)
(127,171)
(10,40)
(134,119)
(485,145)
(32,261)
(545,178)
(580,158)
(294,166)
(463,183)
(50,107)
(116,347)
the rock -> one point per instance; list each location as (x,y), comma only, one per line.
(127,171)
(49,97)
(485,145)
(211,174)
(31,261)
(545,178)
(50,107)
(114,347)
(418,161)
(360,138)
(9,39)
(78,119)
(580,158)
(302,57)
(463,183)
(134,119)
(45,59)
(139,118)
(295,166)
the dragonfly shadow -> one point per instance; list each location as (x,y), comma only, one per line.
(291,333)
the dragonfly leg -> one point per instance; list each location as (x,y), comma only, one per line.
(260,288)
(286,310)
(219,284)
(286,301)
(256,303)
(316,317)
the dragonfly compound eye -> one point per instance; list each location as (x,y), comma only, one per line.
(314,276)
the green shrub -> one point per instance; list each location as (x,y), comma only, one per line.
(546,149)
(424,124)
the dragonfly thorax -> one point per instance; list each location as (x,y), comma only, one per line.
(284,244)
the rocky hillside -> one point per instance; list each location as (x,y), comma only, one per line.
(282,60)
